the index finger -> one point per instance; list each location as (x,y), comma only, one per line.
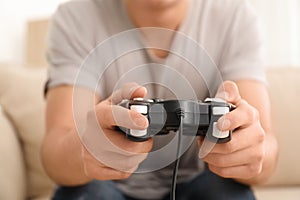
(128,91)
(112,115)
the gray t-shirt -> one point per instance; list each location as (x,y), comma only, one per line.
(218,40)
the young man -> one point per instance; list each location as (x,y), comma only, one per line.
(227,30)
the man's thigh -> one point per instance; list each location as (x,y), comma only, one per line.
(104,190)
(208,186)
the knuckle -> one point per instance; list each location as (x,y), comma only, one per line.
(102,113)
(132,148)
(87,171)
(261,155)
(229,148)
(257,157)
(139,147)
(230,117)
(220,162)
(126,175)
(147,146)
(219,171)
(99,107)
(255,163)
(250,113)
(104,117)
(255,169)
(128,164)
(261,136)
(223,173)
(90,171)
(255,114)
(131,160)
(213,169)
(123,175)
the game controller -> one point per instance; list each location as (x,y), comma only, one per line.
(199,118)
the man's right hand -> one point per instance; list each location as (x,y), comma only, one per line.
(117,157)
(64,154)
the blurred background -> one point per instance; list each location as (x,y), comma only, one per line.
(15,18)
(281,21)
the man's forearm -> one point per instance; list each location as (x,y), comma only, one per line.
(61,158)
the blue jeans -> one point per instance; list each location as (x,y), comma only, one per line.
(206,186)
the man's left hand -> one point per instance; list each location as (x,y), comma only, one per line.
(242,157)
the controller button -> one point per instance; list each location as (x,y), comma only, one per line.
(140,109)
(219,134)
(143,100)
(220,110)
(138,133)
(217,100)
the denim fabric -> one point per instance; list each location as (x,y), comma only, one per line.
(206,186)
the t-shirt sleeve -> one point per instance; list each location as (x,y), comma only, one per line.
(67,47)
(243,53)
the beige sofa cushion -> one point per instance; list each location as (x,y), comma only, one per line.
(21,95)
(277,193)
(284,87)
(12,168)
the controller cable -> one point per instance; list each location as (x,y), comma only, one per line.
(180,114)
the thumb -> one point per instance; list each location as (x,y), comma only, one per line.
(229,91)
(128,91)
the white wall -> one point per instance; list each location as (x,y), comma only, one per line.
(13,17)
(281,19)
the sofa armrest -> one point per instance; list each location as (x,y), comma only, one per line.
(12,169)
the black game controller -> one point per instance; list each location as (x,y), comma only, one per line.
(199,118)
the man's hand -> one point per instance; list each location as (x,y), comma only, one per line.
(109,155)
(117,157)
(242,157)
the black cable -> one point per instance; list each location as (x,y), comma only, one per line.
(175,170)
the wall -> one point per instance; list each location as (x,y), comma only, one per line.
(281,19)
(13,17)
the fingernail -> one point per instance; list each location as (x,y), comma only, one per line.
(201,154)
(223,95)
(223,123)
(141,122)
(133,89)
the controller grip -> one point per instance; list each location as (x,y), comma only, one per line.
(162,118)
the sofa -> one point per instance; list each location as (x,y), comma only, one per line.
(22,129)
(22,108)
